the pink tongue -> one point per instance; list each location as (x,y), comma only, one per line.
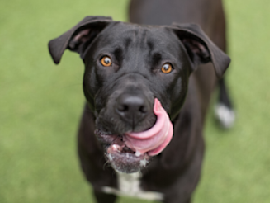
(156,138)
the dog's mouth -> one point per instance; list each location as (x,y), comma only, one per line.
(124,158)
(131,152)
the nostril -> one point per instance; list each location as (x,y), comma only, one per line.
(142,109)
(123,108)
(126,108)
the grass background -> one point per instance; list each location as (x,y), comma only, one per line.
(40,106)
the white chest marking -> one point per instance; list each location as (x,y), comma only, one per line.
(129,185)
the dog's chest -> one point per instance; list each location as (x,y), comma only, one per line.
(129,185)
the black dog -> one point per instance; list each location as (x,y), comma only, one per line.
(135,78)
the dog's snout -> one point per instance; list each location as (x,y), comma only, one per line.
(132,108)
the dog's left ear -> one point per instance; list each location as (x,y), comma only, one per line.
(79,37)
(200,48)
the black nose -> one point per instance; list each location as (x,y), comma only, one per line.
(131,108)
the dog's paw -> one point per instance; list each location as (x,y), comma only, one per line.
(225,116)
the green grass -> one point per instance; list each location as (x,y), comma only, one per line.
(41,104)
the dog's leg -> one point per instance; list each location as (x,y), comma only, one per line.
(224,111)
(102,197)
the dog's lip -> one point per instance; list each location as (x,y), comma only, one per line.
(124,150)
(119,154)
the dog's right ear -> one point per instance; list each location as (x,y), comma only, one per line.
(79,37)
(200,48)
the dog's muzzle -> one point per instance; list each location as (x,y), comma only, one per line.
(131,151)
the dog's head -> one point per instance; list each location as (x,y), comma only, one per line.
(135,81)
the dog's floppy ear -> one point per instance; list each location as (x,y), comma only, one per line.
(200,48)
(79,37)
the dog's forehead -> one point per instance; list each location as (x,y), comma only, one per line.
(126,33)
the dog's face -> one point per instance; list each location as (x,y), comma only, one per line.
(126,68)
(135,79)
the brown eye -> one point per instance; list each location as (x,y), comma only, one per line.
(106,61)
(167,68)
